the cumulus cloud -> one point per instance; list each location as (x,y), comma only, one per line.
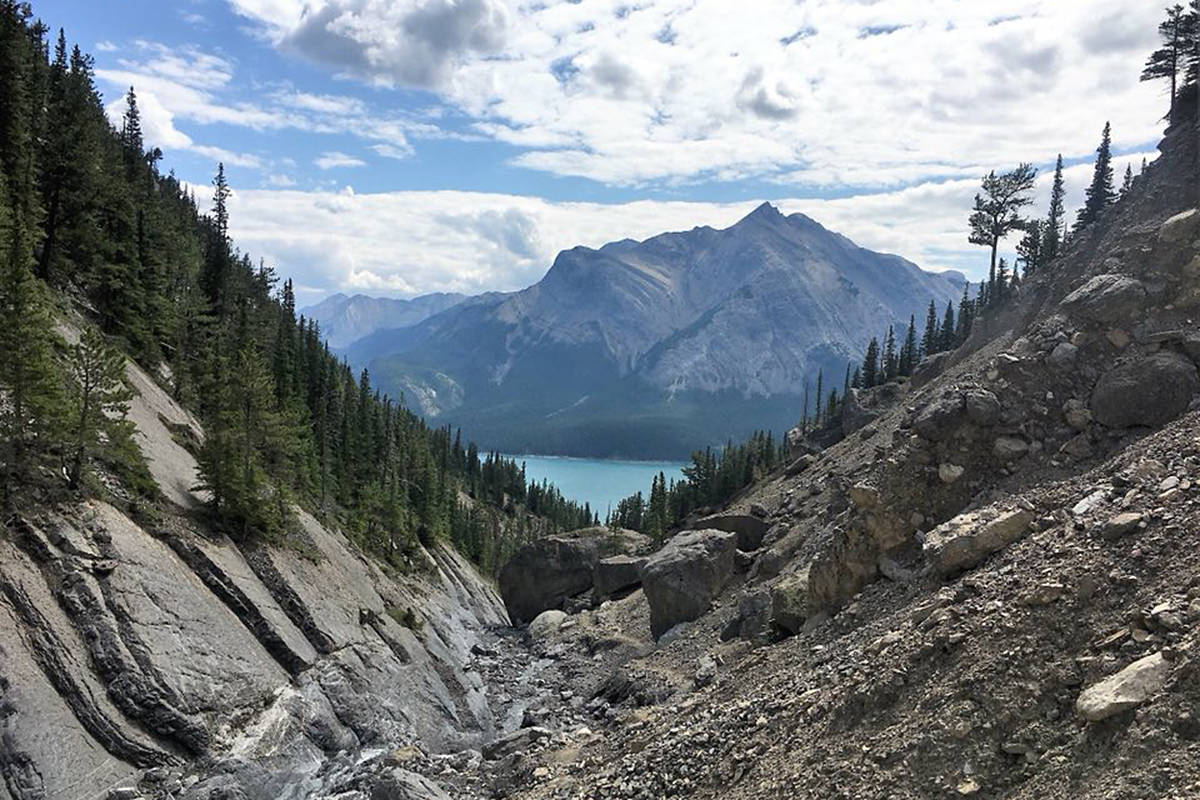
(870,94)
(406,243)
(411,43)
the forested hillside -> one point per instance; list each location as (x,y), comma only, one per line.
(96,235)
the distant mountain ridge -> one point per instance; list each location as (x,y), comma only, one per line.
(345,319)
(649,349)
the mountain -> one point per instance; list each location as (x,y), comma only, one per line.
(648,349)
(345,319)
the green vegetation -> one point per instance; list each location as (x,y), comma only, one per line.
(87,216)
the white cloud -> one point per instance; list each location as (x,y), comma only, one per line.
(407,243)
(159,130)
(334,160)
(280,180)
(871,94)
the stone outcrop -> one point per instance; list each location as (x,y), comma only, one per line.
(1107,298)
(681,580)
(616,574)
(750,530)
(544,573)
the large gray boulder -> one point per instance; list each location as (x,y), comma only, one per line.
(1107,298)
(750,530)
(616,574)
(1147,392)
(938,420)
(544,573)
(681,580)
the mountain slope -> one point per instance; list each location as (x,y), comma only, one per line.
(652,348)
(345,319)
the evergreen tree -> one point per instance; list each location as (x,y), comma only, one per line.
(997,209)
(820,390)
(1127,184)
(1167,62)
(908,351)
(929,341)
(1100,194)
(891,362)
(100,400)
(1052,243)
(946,338)
(1029,250)
(870,365)
(966,308)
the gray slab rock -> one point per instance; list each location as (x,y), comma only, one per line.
(750,530)
(682,579)
(1107,298)
(617,574)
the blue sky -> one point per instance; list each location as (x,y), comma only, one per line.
(405,146)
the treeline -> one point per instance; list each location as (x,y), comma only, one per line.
(711,480)
(87,214)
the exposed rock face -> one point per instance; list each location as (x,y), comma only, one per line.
(1127,689)
(1147,392)
(544,573)
(969,538)
(682,579)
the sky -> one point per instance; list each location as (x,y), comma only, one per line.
(399,147)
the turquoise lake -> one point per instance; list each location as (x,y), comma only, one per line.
(600,482)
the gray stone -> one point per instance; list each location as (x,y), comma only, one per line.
(750,530)
(1181,228)
(616,574)
(681,580)
(1107,298)
(938,419)
(544,573)
(1063,356)
(949,473)
(983,407)
(969,538)
(790,605)
(1120,525)
(1077,414)
(546,624)
(1127,689)
(1009,448)
(1148,392)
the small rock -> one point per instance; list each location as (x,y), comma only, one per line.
(949,473)
(1120,525)
(1043,594)
(546,624)
(1009,448)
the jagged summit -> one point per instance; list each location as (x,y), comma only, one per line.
(685,338)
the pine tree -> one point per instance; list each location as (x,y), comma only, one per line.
(929,341)
(820,389)
(1052,243)
(946,334)
(870,365)
(100,400)
(1029,250)
(1168,61)
(1100,194)
(908,351)
(891,363)
(1127,184)
(966,308)
(996,211)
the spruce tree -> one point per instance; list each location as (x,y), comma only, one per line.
(891,363)
(1052,242)
(1127,184)
(1100,194)
(929,341)
(946,334)
(870,365)
(1029,249)
(908,351)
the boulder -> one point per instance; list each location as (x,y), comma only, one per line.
(544,573)
(937,420)
(681,580)
(616,574)
(854,416)
(750,530)
(949,473)
(789,603)
(1120,525)
(1107,298)
(983,407)
(1148,392)
(1009,448)
(1181,228)
(546,624)
(1127,689)
(1063,356)
(969,538)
